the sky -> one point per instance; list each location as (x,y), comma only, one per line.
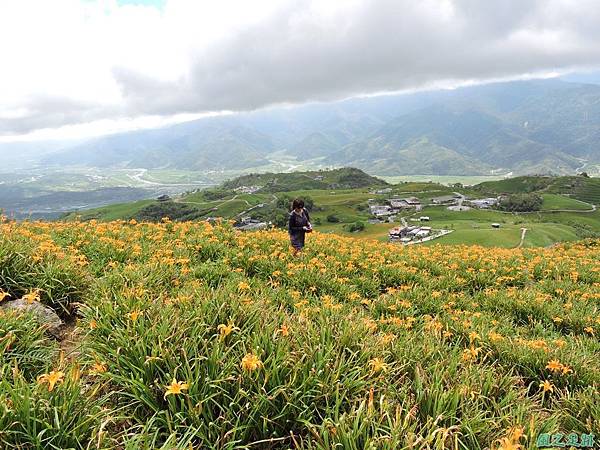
(70,68)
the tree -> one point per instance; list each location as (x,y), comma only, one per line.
(332,218)
(521,202)
(285,202)
(280,218)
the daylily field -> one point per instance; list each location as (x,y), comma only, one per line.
(193,336)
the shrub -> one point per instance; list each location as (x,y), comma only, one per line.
(355,227)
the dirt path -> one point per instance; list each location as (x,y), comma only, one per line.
(70,341)
(523,232)
(178,200)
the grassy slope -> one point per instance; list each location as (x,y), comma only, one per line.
(516,185)
(556,201)
(111,212)
(577,187)
(474,227)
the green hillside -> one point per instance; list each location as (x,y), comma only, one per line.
(560,202)
(577,187)
(515,185)
(110,212)
(228,201)
(564,215)
(344,178)
(580,188)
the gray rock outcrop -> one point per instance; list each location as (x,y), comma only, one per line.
(44,315)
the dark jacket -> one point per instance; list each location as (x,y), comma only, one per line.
(297,221)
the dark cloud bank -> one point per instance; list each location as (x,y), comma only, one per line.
(382,45)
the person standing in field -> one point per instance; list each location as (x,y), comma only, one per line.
(298,225)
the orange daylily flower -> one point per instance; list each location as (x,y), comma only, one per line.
(52,378)
(251,362)
(176,387)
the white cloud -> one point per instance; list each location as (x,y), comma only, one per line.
(69,62)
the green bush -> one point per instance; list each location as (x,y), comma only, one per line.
(355,227)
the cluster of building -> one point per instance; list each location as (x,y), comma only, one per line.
(484,203)
(406,234)
(393,206)
(446,199)
(250,224)
(382,191)
(247,189)
(465,202)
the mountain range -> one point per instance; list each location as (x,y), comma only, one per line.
(523,127)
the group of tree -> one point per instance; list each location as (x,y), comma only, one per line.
(168,208)
(280,212)
(521,202)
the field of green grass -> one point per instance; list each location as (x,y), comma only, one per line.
(508,235)
(473,227)
(556,201)
(111,212)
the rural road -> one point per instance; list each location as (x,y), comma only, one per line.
(523,232)
(220,202)
(430,238)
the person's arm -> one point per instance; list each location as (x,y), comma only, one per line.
(308,224)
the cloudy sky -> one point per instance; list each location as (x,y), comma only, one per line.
(76,67)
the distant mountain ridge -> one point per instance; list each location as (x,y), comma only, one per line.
(539,126)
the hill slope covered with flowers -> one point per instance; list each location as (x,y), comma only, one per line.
(191,335)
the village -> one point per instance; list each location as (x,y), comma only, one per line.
(389,210)
(414,226)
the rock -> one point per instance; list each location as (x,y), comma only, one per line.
(45,315)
